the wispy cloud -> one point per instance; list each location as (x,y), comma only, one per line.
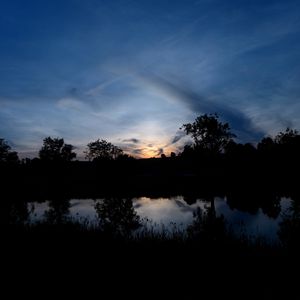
(132,140)
(237,119)
(138,151)
(70,103)
(178,136)
(159,151)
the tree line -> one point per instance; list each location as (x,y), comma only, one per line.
(55,149)
(210,136)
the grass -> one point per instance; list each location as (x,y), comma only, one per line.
(203,236)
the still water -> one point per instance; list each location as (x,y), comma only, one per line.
(177,211)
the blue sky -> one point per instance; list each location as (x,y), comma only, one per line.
(133,72)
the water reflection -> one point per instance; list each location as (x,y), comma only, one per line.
(124,215)
(58,211)
(269,203)
(289,227)
(117,216)
(206,225)
(16,212)
(165,211)
(78,209)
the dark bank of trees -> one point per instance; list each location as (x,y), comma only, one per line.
(213,139)
(215,161)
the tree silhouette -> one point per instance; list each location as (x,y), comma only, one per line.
(209,133)
(102,150)
(15,212)
(266,145)
(6,155)
(287,137)
(236,151)
(270,205)
(206,225)
(55,149)
(117,215)
(58,211)
(289,228)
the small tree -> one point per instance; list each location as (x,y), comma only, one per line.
(6,155)
(289,137)
(55,149)
(102,150)
(209,133)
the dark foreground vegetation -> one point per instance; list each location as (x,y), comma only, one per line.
(119,250)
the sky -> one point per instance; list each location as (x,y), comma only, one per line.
(133,71)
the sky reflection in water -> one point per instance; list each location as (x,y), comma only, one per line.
(165,212)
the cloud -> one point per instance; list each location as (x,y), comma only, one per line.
(70,103)
(132,146)
(132,140)
(237,119)
(160,151)
(137,151)
(178,136)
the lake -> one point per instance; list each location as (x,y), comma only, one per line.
(177,212)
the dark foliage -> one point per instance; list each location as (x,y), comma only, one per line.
(6,155)
(55,149)
(209,134)
(103,150)
(117,216)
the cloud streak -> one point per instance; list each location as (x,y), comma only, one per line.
(197,103)
(178,136)
(132,140)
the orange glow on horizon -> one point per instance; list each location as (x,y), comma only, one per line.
(154,152)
